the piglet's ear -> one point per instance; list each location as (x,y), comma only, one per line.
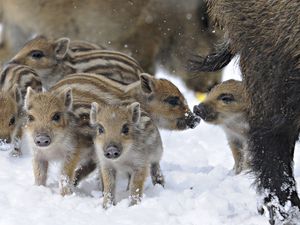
(68,99)
(30,92)
(147,83)
(93,113)
(135,112)
(17,95)
(61,47)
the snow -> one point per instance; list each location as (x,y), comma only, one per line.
(200,187)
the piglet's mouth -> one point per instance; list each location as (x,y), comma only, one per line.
(205,112)
(190,121)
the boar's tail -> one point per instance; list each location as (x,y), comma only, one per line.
(213,62)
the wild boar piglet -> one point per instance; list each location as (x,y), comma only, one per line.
(226,105)
(127,141)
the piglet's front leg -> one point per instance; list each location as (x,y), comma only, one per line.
(67,174)
(156,174)
(40,169)
(16,148)
(109,186)
(137,185)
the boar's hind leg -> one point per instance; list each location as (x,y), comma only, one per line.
(272,162)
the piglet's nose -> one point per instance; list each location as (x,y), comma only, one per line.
(200,110)
(192,120)
(112,152)
(42,140)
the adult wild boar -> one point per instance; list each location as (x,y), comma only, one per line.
(266,36)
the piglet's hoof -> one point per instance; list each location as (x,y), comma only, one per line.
(159,179)
(134,200)
(15,153)
(66,191)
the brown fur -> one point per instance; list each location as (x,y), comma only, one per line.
(11,119)
(56,59)
(49,66)
(265,35)
(8,111)
(81,46)
(226,105)
(64,143)
(137,143)
(153,95)
(15,79)
(20,75)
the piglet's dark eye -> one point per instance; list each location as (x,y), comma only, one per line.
(125,129)
(84,117)
(30,118)
(172,100)
(100,129)
(37,54)
(226,98)
(56,117)
(12,121)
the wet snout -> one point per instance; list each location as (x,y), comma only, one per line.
(189,120)
(192,120)
(112,151)
(42,140)
(205,112)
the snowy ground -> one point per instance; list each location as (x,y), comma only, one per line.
(200,189)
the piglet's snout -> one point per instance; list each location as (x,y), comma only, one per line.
(112,152)
(192,120)
(200,110)
(42,140)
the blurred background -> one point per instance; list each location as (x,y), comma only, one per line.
(157,33)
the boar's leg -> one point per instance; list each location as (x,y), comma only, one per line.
(272,163)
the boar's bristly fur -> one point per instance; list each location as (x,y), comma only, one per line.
(266,36)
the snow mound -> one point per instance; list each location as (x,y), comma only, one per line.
(200,188)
